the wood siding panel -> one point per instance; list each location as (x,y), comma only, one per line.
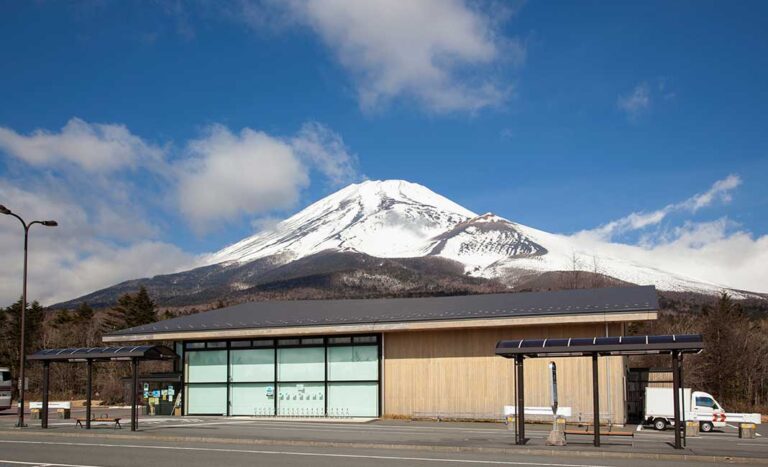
(456,372)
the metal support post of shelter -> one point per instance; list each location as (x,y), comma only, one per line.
(520,409)
(595,401)
(88,394)
(676,396)
(134,389)
(44,415)
(682,407)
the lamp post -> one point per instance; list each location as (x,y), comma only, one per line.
(22,349)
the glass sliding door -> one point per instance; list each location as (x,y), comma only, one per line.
(252,376)
(353,381)
(301,381)
(206,389)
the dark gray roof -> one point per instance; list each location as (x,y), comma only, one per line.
(614,345)
(142,352)
(277,314)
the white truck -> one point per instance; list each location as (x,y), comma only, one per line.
(5,388)
(694,405)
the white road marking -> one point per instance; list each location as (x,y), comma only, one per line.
(342,428)
(295,453)
(639,428)
(44,464)
(728,424)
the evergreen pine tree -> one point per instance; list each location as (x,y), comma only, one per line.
(131,311)
(143,310)
(84,313)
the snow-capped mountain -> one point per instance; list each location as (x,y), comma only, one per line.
(389,219)
(399,219)
(383,238)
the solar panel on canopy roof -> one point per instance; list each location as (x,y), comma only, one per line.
(142,352)
(605,345)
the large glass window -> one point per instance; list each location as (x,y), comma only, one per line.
(301,364)
(207,366)
(299,377)
(207,399)
(252,365)
(252,399)
(353,399)
(351,363)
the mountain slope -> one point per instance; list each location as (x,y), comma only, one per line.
(395,237)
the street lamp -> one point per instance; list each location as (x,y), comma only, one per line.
(22,350)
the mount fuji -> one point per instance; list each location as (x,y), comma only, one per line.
(392,237)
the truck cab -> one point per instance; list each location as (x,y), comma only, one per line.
(703,404)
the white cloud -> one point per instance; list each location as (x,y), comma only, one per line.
(717,252)
(636,102)
(94,147)
(325,150)
(719,191)
(74,258)
(252,173)
(442,53)
(238,174)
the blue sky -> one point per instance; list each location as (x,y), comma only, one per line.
(564,116)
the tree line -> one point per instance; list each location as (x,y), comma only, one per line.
(733,366)
(79,327)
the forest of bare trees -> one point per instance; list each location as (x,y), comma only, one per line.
(733,366)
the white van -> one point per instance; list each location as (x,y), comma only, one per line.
(5,388)
(660,412)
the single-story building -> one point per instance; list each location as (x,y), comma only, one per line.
(395,357)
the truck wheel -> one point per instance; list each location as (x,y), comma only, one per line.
(660,424)
(706,427)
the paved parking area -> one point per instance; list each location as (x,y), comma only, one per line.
(390,434)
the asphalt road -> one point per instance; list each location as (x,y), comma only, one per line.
(65,451)
(168,441)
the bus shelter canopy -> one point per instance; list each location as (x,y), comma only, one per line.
(603,346)
(83,354)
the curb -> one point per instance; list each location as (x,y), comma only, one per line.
(412,447)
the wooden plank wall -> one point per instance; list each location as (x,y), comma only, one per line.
(456,372)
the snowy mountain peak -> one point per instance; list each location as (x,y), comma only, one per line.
(400,219)
(389,218)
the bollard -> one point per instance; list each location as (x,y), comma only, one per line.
(510,422)
(692,429)
(747,430)
(557,435)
